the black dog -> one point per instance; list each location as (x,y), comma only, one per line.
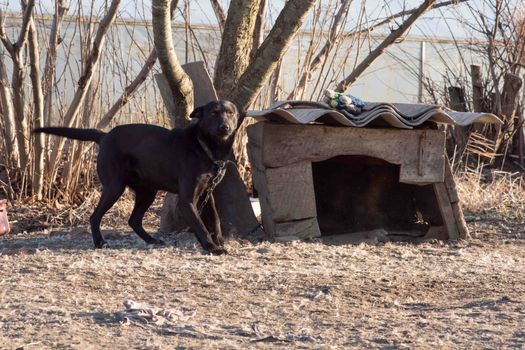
(149,158)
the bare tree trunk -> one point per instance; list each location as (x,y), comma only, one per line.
(258,32)
(271,51)
(389,40)
(18,107)
(236,45)
(6,100)
(180,84)
(84,81)
(15,51)
(219,13)
(37,180)
(48,79)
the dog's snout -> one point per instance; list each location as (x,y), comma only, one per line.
(224,127)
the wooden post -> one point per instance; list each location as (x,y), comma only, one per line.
(421,72)
(459,219)
(449,206)
(477,88)
(521,142)
(459,134)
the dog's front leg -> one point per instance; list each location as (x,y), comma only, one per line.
(191,214)
(191,188)
(213,218)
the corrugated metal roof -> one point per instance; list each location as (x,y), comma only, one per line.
(397,115)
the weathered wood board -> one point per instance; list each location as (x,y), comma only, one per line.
(282,155)
(419,153)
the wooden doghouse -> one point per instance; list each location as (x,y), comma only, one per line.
(315,180)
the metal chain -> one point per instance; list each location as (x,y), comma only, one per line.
(221,171)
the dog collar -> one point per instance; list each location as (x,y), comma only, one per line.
(206,149)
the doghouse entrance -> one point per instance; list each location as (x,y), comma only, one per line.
(359,193)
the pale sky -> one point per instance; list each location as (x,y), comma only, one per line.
(438,23)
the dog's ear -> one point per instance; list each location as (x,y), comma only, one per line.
(197,112)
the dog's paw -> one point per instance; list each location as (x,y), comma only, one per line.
(219,241)
(157,241)
(101,244)
(218,251)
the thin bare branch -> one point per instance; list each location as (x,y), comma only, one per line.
(333,37)
(402,14)
(3,36)
(389,40)
(24,30)
(132,87)
(85,79)
(219,13)
(128,91)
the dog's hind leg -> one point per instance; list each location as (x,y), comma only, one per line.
(143,199)
(110,194)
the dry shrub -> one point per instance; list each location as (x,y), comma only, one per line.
(504,193)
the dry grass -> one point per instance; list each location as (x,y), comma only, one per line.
(504,194)
(57,292)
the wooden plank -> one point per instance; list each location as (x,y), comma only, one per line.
(233,204)
(521,137)
(511,87)
(450,185)
(255,134)
(255,156)
(436,232)
(303,229)
(165,92)
(288,144)
(457,99)
(291,192)
(445,208)
(203,89)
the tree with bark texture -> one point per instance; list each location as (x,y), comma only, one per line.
(236,76)
(180,84)
(236,45)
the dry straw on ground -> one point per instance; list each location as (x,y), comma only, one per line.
(57,292)
(505,193)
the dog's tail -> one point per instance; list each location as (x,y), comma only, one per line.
(74,133)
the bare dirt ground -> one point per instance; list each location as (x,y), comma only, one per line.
(57,292)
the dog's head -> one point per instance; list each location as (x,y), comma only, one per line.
(217,120)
